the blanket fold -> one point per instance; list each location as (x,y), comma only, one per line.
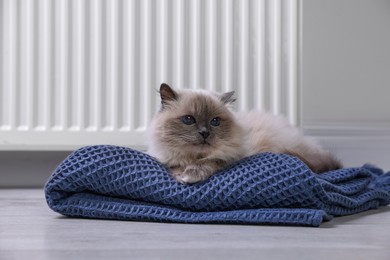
(113,182)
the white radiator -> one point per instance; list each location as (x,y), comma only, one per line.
(81,72)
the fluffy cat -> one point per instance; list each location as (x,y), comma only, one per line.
(195,133)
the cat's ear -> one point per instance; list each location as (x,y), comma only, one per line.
(228,98)
(167,94)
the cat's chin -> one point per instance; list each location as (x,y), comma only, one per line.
(203,143)
(203,147)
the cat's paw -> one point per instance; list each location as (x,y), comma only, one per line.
(187,179)
(191,175)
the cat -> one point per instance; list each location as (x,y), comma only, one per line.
(195,133)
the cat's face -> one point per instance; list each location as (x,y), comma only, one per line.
(197,122)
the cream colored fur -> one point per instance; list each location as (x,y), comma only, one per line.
(192,158)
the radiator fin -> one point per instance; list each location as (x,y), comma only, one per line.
(78,72)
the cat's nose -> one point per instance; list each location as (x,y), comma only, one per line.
(204,133)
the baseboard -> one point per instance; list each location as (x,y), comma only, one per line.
(355,143)
(28,169)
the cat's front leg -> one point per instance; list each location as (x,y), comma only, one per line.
(195,173)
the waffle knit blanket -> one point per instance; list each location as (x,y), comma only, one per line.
(111,182)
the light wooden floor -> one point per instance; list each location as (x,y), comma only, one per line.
(30,230)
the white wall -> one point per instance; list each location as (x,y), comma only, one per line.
(346,77)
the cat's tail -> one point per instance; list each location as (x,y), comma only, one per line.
(316,158)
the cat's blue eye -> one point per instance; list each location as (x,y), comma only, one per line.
(188,120)
(215,121)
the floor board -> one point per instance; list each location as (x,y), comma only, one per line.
(30,230)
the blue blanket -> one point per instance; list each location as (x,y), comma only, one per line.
(112,182)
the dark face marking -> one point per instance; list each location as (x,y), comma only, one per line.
(203,121)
